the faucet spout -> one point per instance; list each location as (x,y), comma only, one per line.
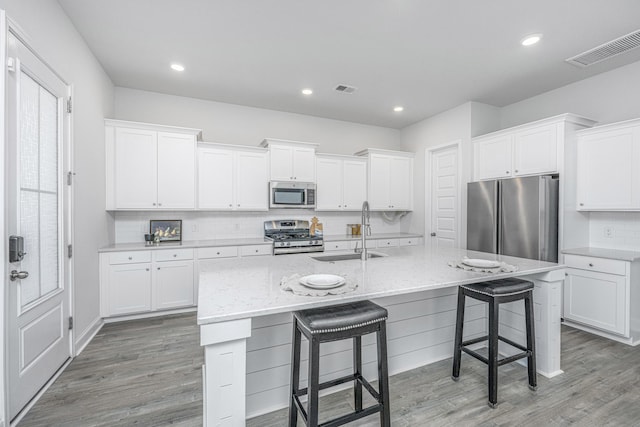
(365,229)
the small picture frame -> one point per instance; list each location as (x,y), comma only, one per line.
(166,230)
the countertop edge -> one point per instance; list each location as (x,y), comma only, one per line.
(606,253)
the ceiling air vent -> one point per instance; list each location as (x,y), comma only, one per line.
(606,50)
(345,89)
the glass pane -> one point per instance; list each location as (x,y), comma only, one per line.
(29,133)
(29,229)
(48,243)
(48,141)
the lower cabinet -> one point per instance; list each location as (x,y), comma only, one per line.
(345,245)
(597,294)
(173,284)
(128,290)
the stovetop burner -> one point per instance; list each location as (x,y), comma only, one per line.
(292,236)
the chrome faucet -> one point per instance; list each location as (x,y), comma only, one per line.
(365,229)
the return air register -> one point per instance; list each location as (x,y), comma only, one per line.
(345,89)
(607,50)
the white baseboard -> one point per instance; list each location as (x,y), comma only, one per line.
(87,335)
(151,314)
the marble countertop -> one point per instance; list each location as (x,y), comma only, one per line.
(618,254)
(140,246)
(241,288)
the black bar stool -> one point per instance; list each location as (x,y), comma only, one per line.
(495,293)
(331,324)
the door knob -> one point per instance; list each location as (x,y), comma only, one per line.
(15,275)
(433,234)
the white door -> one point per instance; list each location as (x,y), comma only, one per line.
(445,194)
(252,181)
(176,171)
(37,210)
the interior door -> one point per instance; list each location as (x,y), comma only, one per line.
(445,194)
(37,208)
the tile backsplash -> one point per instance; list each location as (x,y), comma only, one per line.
(615,230)
(130,227)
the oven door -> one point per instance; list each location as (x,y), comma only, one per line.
(287,195)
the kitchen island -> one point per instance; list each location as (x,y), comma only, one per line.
(245,320)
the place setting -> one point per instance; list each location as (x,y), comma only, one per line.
(317,284)
(483,265)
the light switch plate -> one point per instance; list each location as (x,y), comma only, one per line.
(608,231)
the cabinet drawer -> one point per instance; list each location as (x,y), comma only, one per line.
(253,250)
(129,257)
(388,243)
(221,252)
(173,255)
(413,241)
(337,246)
(612,266)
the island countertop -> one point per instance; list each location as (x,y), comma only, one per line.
(241,288)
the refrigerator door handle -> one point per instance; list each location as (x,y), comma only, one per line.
(499,219)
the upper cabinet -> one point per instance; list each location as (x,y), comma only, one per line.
(608,169)
(291,160)
(149,167)
(390,179)
(232,177)
(341,182)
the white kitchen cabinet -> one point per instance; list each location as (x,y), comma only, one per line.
(232,178)
(173,284)
(390,179)
(291,160)
(129,289)
(608,167)
(525,150)
(598,296)
(149,167)
(341,183)
(346,245)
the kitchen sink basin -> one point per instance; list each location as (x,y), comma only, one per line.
(345,257)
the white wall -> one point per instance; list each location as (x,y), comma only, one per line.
(49,31)
(236,124)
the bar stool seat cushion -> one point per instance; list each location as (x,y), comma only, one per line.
(500,287)
(340,317)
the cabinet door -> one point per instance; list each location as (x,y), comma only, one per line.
(176,171)
(535,151)
(252,182)
(608,173)
(281,163)
(215,178)
(304,164)
(401,183)
(354,184)
(596,299)
(379,181)
(136,162)
(129,289)
(173,284)
(329,184)
(492,158)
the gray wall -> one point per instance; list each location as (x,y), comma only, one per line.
(53,36)
(236,124)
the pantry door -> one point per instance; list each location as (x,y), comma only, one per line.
(443,210)
(38,154)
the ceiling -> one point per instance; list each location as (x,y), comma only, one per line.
(425,55)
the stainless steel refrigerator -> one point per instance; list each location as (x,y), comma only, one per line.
(517,217)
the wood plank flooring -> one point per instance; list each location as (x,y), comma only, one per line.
(147,373)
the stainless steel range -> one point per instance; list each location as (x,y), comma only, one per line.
(291,236)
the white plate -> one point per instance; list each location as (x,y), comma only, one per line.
(322,281)
(480,263)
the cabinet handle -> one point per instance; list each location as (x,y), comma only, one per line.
(130,258)
(590,264)
(175,255)
(217,253)
(256,250)
(238,204)
(566,274)
(290,177)
(339,206)
(230,205)
(507,172)
(516,171)
(154,204)
(581,204)
(158,268)
(159,204)
(345,206)
(147,269)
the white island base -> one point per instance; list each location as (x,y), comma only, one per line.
(245,322)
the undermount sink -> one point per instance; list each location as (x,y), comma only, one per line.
(345,257)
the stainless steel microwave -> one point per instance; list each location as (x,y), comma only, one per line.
(292,195)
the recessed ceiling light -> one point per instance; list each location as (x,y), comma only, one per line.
(531,39)
(398,109)
(177,67)
(307,91)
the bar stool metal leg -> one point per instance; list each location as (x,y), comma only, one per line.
(383,376)
(494,310)
(457,349)
(357,370)
(314,381)
(295,374)
(531,340)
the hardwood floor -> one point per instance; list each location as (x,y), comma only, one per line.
(147,373)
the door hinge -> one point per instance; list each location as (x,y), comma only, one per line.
(70,177)
(70,322)
(69,105)
(11,64)
(69,251)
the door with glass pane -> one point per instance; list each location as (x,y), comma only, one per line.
(37,208)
